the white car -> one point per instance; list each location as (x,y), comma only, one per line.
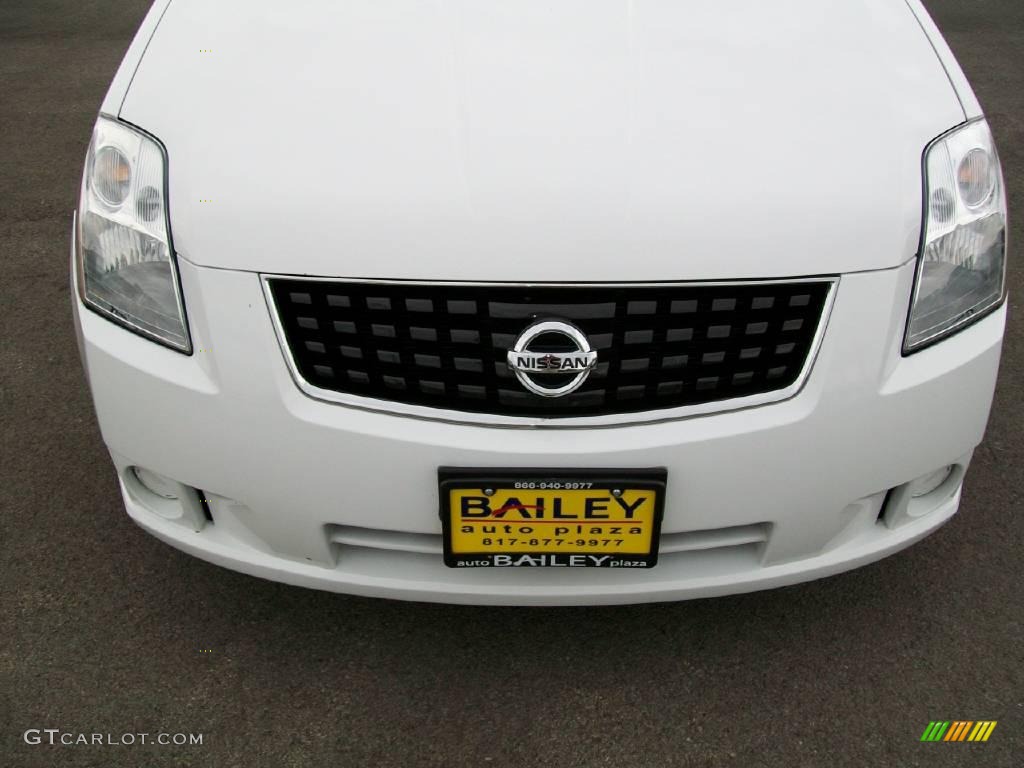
(560,302)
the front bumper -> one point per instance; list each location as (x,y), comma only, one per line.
(331,497)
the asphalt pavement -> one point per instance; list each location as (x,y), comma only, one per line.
(103,629)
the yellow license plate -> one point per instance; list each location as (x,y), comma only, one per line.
(581,519)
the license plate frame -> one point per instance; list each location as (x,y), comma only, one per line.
(503,480)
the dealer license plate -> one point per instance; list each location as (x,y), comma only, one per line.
(545,518)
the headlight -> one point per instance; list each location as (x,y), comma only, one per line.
(963,245)
(126,268)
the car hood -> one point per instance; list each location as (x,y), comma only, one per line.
(543,140)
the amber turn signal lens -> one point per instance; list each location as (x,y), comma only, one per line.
(976,177)
(111,176)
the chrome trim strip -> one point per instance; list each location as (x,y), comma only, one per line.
(392,408)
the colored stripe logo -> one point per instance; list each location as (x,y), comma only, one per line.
(958,730)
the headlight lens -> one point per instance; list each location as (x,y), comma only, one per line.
(963,247)
(126,268)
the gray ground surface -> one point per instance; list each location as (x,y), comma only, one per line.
(102,625)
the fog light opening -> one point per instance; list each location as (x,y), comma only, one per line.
(156,483)
(170,499)
(924,495)
(925,484)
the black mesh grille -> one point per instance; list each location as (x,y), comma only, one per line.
(445,346)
